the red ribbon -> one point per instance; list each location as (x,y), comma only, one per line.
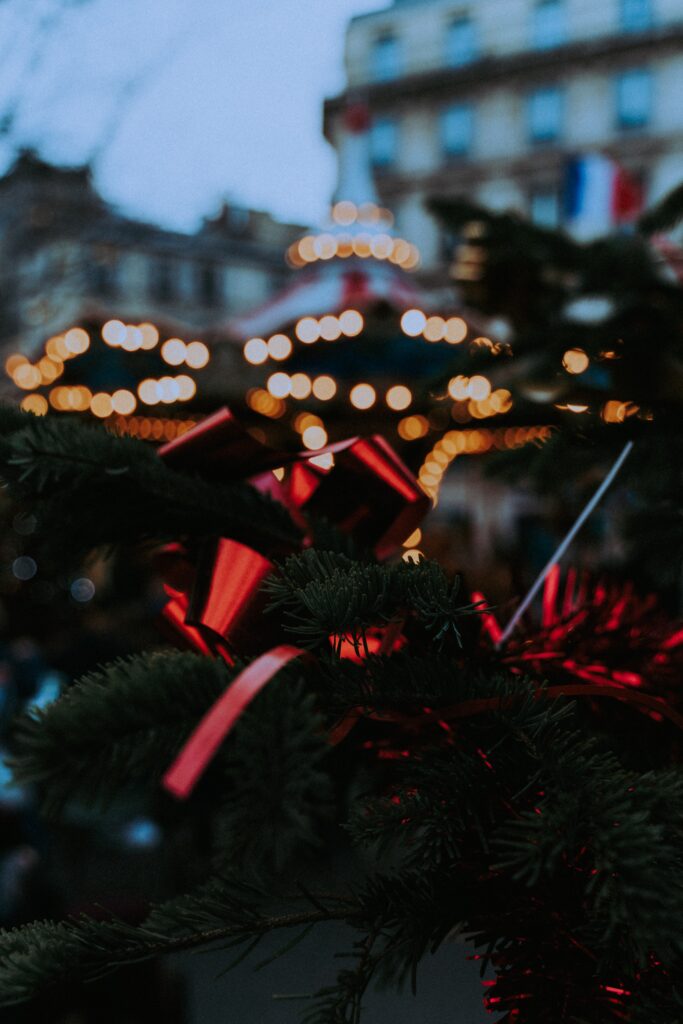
(368,493)
(191,762)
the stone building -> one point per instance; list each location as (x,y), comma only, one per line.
(488,98)
(66,257)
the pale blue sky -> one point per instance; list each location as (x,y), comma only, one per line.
(225,98)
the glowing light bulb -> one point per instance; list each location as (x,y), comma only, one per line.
(435,329)
(77,341)
(173,351)
(575,360)
(197,355)
(187,388)
(456,330)
(123,402)
(113,332)
(458,388)
(351,322)
(330,328)
(307,330)
(256,351)
(314,437)
(399,397)
(363,396)
(300,386)
(413,322)
(344,212)
(324,388)
(148,391)
(150,336)
(279,385)
(101,406)
(325,246)
(14,361)
(479,388)
(279,347)
(168,390)
(133,339)
(35,404)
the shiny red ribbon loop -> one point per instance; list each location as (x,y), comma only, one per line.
(368,493)
(198,751)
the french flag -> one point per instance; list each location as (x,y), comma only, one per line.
(599,196)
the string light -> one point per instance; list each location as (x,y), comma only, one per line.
(362,396)
(314,437)
(575,360)
(279,385)
(413,322)
(300,386)
(412,428)
(256,351)
(279,347)
(113,332)
(399,397)
(36,404)
(324,388)
(77,341)
(307,330)
(197,355)
(330,328)
(173,351)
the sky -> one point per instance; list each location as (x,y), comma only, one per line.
(179,103)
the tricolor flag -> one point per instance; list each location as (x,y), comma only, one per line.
(599,196)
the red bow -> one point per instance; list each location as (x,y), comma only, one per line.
(217,605)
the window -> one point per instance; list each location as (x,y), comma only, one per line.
(456,126)
(162,280)
(461,43)
(635,15)
(208,289)
(548,27)
(385,59)
(634,98)
(545,114)
(545,207)
(383,141)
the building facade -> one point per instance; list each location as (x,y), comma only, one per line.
(67,256)
(487,99)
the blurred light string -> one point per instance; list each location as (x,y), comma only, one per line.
(559,552)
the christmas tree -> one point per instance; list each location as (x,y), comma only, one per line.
(345,701)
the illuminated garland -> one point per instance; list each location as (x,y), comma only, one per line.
(61,348)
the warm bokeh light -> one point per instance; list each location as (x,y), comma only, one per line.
(307,330)
(173,351)
(197,355)
(300,386)
(187,388)
(413,322)
(414,539)
(314,437)
(575,360)
(55,348)
(168,390)
(101,405)
(77,341)
(27,376)
(306,419)
(456,330)
(362,245)
(324,388)
(256,351)
(113,332)
(479,388)
(362,396)
(435,329)
(36,404)
(324,461)
(458,388)
(351,322)
(150,336)
(344,212)
(49,369)
(412,427)
(330,328)
(325,247)
(399,397)
(13,361)
(123,402)
(279,347)
(132,339)
(147,391)
(279,385)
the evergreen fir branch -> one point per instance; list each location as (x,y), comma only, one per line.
(112,490)
(326,594)
(39,956)
(117,727)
